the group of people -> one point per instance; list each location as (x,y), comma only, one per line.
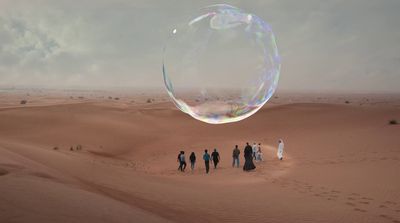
(214,158)
(250,153)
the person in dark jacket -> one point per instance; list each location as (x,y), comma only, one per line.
(182,161)
(248,157)
(235,156)
(192,160)
(179,161)
(215,158)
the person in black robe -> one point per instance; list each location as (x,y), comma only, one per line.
(248,157)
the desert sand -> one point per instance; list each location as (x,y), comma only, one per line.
(342,160)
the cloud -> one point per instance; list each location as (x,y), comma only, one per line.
(325,45)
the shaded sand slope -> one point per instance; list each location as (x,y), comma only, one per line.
(341,165)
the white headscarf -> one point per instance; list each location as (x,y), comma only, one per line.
(281,142)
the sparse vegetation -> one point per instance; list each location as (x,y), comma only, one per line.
(78,147)
(109,97)
(55,148)
(393,122)
(149,100)
(23,102)
(116,99)
(347,102)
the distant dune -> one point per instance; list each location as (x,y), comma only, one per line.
(341,164)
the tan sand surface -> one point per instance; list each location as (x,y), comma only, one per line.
(342,161)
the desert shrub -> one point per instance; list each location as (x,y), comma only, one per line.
(393,122)
(23,102)
(55,148)
(347,102)
(149,100)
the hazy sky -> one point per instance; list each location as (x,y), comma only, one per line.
(349,45)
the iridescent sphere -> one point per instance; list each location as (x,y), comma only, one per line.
(221,65)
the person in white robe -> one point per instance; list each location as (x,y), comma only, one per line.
(254,148)
(259,153)
(280,149)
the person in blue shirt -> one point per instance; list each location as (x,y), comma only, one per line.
(206,158)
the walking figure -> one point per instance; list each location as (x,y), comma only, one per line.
(192,160)
(206,158)
(254,149)
(215,158)
(248,156)
(280,149)
(235,156)
(182,161)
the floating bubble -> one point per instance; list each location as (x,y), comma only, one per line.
(221,65)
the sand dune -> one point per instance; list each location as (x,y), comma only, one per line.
(341,164)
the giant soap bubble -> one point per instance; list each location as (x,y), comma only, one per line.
(221,65)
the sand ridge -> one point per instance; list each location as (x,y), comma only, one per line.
(341,164)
